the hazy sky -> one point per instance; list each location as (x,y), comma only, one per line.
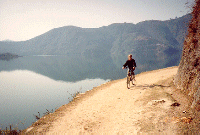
(26,19)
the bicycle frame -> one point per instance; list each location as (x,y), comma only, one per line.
(130,72)
(130,77)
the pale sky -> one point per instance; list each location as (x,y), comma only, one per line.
(21,20)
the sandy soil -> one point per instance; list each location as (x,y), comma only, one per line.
(111,108)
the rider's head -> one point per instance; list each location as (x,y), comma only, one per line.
(130,57)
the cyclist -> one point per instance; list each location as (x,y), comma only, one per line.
(130,63)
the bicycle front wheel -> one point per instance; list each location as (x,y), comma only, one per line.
(128,82)
(133,79)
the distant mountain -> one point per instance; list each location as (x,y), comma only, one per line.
(8,40)
(154,44)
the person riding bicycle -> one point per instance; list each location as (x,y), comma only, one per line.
(130,63)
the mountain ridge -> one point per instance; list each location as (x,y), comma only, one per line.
(153,43)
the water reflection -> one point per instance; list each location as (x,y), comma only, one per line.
(24,93)
(64,68)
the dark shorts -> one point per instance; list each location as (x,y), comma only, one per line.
(130,71)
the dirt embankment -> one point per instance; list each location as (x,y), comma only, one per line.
(188,76)
(152,106)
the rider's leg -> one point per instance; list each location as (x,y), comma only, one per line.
(133,75)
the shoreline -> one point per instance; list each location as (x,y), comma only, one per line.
(45,121)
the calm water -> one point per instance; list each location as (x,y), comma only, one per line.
(32,84)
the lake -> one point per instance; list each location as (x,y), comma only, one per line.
(37,84)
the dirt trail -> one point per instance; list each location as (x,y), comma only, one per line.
(113,109)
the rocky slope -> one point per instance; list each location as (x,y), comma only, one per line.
(188,76)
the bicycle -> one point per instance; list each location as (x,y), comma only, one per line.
(130,77)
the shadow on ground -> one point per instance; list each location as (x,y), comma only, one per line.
(150,86)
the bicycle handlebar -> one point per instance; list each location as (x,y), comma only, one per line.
(126,68)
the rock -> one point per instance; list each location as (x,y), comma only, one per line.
(175,104)
(156,102)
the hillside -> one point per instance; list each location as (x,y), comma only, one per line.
(188,76)
(154,44)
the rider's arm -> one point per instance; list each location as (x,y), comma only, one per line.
(125,65)
(134,64)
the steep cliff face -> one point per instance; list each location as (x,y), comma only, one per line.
(188,76)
